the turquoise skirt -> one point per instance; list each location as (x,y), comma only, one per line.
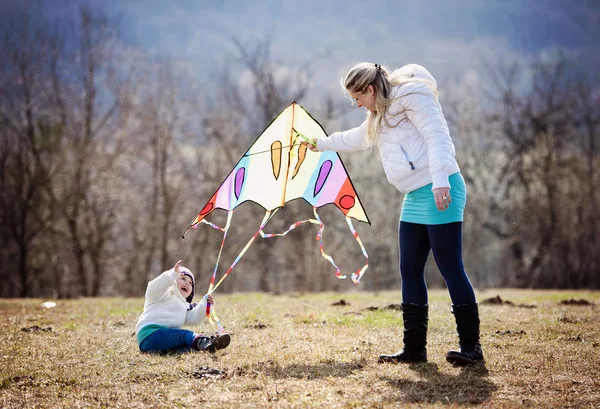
(419,205)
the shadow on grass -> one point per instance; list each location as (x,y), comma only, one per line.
(468,387)
(305,371)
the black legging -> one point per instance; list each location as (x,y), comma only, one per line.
(416,240)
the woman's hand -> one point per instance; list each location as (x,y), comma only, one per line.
(442,198)
(312,145)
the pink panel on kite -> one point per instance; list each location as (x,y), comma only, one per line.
(239,182)
(323,174)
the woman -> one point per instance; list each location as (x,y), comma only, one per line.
(405,121)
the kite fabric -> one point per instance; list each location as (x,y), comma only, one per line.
(276,169)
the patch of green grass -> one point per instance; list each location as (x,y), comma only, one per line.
(301,350)
(371,319)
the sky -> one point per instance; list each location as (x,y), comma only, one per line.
(452,38)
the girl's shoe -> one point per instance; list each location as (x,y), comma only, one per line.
(212,344)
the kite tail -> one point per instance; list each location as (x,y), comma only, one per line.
(214,226)
(265,219)
(212,317)
(292,227)
(212,280)
(326,256)
(317,220)
(210,312)
(195,226)
(359,273)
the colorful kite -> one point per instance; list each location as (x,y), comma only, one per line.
(276,169)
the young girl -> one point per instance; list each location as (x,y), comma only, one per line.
(405,121)
(167,308)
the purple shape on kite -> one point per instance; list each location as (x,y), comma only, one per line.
(239,182)
(323,174)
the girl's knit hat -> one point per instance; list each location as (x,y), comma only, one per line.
(187,272)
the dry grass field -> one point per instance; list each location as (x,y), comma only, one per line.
(302,351)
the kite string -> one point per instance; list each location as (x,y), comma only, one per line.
(274,149)
(306,138)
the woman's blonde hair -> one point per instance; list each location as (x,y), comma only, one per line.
(364,74)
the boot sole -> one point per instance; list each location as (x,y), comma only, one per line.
(458,360)
(396,361)
(221,342)
(390,360)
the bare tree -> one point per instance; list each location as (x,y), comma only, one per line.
(541,135)
(30,139)
(92,103)
(105,154)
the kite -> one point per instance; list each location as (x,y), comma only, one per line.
(278,168)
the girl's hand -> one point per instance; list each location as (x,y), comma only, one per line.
(210,299)
(442,198)
(177,267)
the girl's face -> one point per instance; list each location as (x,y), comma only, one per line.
(365,99)
(184,284)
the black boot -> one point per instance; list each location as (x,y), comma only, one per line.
(212,344)
(467,325)
(415,335)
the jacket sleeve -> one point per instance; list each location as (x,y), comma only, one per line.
(425,113)
(354,139)
(160,284)
(196,315)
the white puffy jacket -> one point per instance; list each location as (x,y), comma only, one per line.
(417,151)
(166,306)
